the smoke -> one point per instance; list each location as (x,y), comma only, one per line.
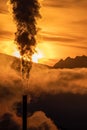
(63,89)
(25,13)
(39,121)
(7,122)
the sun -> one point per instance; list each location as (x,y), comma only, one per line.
(17,54)
(35,57)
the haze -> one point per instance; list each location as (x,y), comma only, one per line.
(63,29)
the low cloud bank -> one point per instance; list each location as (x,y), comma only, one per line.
(38,121)
(56,81)
(65,89)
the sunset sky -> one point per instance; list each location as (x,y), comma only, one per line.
(63,29)
(57,95)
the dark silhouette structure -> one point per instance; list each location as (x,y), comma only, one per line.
(24,115)
(68,111)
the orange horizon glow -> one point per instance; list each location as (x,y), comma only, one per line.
(9,48)
(62,34)
(35,57)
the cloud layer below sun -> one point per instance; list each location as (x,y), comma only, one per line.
(43,82)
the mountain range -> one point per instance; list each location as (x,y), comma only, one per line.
(77,62)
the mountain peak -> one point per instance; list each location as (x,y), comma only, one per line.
(77,62)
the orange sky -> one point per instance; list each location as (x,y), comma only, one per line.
(63,29)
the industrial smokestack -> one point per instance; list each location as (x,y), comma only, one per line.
(25,13)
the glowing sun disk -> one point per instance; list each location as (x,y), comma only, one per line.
(17,54)
(35,56)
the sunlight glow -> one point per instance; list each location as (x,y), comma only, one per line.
(8,47)
(35,57)
(16,54)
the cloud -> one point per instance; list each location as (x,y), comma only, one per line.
(65,3)
(65,36)
(37,121)
(60,78)
(40,121)
(3,7)
(60,93)
(4,91)
(75,46)
(54,4)
(59,39)
(4,34)
(64,40)
(49,36)
(2,11)
(10,83)
(84,22)
(7,122)
(64,80)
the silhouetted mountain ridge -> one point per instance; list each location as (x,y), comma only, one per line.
(77,62)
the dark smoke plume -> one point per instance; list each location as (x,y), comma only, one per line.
(25,13)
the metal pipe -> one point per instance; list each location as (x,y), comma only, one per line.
(24,117)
